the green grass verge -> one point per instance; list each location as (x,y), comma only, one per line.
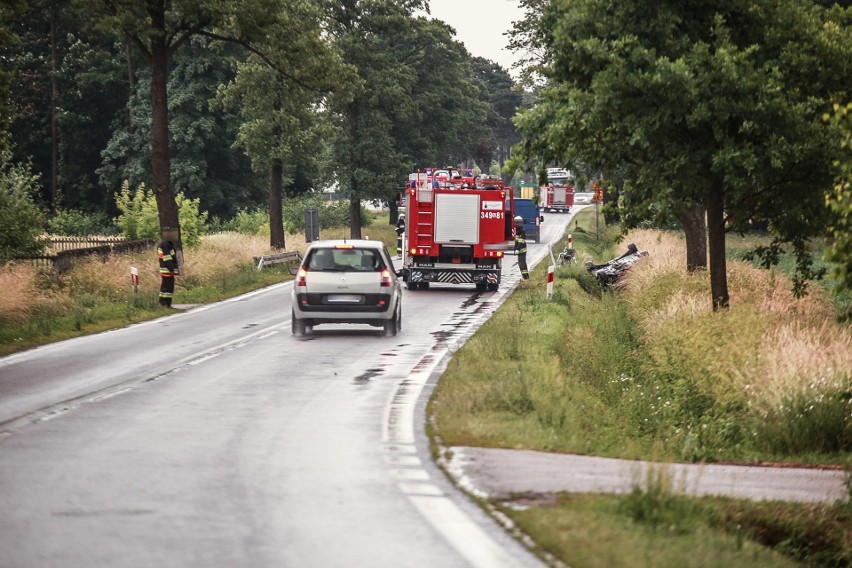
(89,313)
(572,375)
(655,530)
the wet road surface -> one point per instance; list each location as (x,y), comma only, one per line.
(215,438)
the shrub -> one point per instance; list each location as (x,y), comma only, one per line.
(139,218)
(73,222)
(20,217)
(246,222)
(331,214)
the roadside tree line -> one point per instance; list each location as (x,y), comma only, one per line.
(238,104)
(720,115)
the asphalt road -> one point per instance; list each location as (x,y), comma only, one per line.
(214,438)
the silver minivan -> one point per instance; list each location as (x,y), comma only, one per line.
(346,281)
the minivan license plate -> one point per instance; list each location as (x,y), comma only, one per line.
(344,298)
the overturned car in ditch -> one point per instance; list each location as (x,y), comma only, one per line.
(609,272)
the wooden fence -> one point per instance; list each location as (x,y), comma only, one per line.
(65,257)
(277,258)
(59,244)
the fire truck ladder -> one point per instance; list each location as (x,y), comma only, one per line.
(425,219)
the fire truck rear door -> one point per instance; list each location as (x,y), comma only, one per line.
(457,218)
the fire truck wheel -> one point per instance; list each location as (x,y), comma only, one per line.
(493,286)
(481,286)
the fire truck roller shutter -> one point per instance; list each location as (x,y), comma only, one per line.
(457,218)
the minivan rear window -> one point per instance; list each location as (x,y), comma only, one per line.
(345,260)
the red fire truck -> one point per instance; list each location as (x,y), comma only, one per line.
(458,228)
(557,195)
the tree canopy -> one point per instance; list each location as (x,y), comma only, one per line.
(710,105)
(839,200)
(283,127)
(216,99)
(8,11)
(414,101)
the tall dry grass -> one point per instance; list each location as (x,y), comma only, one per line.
(27,295)
(221,255)
(109,278)
(768,352)
(94,288)
(17,282)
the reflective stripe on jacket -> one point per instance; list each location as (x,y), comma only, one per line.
(521,241)
(168,258)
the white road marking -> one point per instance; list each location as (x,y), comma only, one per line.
(398,434)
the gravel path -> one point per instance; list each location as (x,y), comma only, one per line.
(504,474)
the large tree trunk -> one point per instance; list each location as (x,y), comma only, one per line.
(276,220)
(352,115)
(354,214)
(160,159)
(54,128)
(131,81)
(695,229)
(716,227)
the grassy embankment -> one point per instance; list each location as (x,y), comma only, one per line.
(40,306)
(652,373)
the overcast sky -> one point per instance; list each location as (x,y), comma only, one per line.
(480,25)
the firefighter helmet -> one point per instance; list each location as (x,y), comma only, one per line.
(519,220)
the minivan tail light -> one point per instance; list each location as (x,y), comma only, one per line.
(300,277)
(386,278)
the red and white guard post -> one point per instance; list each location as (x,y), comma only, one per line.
(550,278)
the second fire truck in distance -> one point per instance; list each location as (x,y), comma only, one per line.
(558,194)
(458,229)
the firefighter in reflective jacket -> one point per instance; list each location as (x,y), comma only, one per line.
(400,230)
(168,269)
(521,246)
